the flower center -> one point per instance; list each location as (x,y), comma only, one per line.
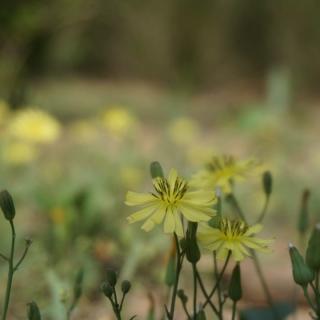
(233,228)
(170,193)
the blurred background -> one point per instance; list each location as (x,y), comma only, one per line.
(93,91)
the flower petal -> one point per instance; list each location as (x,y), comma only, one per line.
(178,223)
(254,229)
(135,198)
(169,223)
(148,225)
(141,214)
(195,214)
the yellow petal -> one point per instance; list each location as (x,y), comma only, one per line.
(192,214)
(200,196)
(141,214)
(254,229)
(159,214)
(172,178)
(148,225)
(169,223)
(178,223)
(135,198)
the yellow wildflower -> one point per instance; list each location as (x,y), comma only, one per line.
(172,197)
(222,171)
(232,235)
(118,121)
(34,125)
(18,152)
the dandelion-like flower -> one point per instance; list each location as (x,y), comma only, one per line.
(221,171)
(171,198)
(34,126)
(232,235)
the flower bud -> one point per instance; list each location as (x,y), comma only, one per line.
(182,296)
(107,289)
(33,312)
(235,289)
(125,286)
(7,205)
(156,170)
(201,315)
(267,183)
(303,221)
(313,249)
(111,277)
(192,249)
(302,274)
(171,271)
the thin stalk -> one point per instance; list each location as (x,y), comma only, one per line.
(216,273)
(176,282)
(264,210)
(218,280)
(10,272)
(194,271)
(306,294)
(234,310)
(204,291)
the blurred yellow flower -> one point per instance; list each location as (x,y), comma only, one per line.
(232,235)
(171,198)
(34,125)
(222,171)
(130,176)
(183,130)
(118,121)
(18,152)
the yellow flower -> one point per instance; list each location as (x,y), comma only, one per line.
(118,121)
(183,131)
(171,198)
(17,153)
(222,171)
(233,235)
(34,126)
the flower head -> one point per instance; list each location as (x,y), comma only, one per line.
(171,199)
(34,126)
(232,235)
(221,171)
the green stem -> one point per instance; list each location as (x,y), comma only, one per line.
(216,273)
(176,282)
(234,309)
(10,272)
(218,280)
(204,291)
(194,290)
(306,294)
(264,210)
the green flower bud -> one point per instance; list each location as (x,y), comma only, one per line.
(303,221)
(313,250)
(156,170)
(107,289)
(235,289)
(302,274)
(182,296)
(267,183)
(125,286)
(7,205)
(201,315)
(192,249)
(171,271)
(33,312)
(111,277)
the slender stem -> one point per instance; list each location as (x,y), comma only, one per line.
(204,291)
(194,290)
(306,294)
(10,272)
(176,282)
(116,305)
(4,257)
(264,210)
(186,311)
(234,309)
(216,273)
(26,249)
(218,280)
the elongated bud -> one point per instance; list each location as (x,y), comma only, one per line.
(77,289)
(33,311)
(182,296)
(235,289)
(201,315)
(303,220)
(125,286)
(267,183)
(156,170)
(7,205)
(192,249)
(107,289)
(111,277)
(302,274)
(170,272)
(313,249)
